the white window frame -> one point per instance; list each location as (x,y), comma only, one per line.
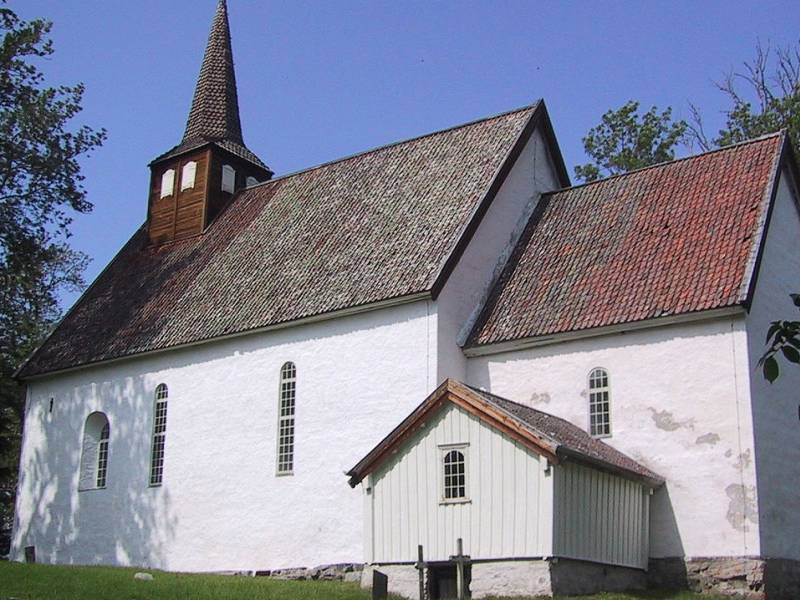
(167,183)
(101,471)
(158,442)
(593,402)
(228,179)
(188,175)
(284,466)
(94,455)
(444,450)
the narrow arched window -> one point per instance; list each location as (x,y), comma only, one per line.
(102,456)
(599,403)
(159,435)
(94,453)
(188,175)
(228,178)
(167,183)
(286,406)
(455,475)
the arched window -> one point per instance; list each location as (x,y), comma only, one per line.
(454,481)
(599,403)
(250,181)
(159,435)
(94,454)
(286,406)
(188,174)
(167,183)
(228,179)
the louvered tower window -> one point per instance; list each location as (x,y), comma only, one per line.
(286,407)
(599,403)
(159,435)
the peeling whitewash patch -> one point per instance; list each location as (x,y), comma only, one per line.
(540,398)
(742,506)
(707,438)
(665,420)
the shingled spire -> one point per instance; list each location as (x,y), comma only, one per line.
(191,183)
(215,108)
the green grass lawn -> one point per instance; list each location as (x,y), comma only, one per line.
(43,582)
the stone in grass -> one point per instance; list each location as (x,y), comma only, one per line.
(143,577)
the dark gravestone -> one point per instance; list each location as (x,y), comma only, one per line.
(380,586)
(30,554)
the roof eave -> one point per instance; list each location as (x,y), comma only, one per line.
(505,345)
(652,480)
(785,157)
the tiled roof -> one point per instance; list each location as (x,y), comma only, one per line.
(569,439)
(550,436)
(368,228)
(214,116)
(674,238)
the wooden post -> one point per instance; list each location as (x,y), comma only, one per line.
(420,566)
(460,559)
(460,569)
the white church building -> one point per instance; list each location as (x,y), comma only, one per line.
(564,377)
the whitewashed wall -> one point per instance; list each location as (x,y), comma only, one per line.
(464,293)
(509,513)
(221,505)
(600,517)
(680,405)
(776,407)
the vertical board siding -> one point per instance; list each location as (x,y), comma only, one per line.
(509,512)
(600,517)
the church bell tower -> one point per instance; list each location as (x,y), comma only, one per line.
(192,182)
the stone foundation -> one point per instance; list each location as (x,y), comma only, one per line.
(737,577)
(338,572)
(576,578)
(521,578)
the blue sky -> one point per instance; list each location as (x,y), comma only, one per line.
(320,80)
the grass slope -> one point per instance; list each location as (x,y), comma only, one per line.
(45,582)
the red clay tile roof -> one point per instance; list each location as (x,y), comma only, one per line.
(372,227)
(669,239)
(549,435)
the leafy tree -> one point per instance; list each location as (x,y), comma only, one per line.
(783,337)
(625,140)
(764,97)
(40,188)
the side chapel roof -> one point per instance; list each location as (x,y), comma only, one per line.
(552,437)
(679,237)
(374,227)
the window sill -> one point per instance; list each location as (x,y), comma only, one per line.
(284,474)
(455,501)
(154,485)
(91,489)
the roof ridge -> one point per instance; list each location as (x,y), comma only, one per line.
(398,143)
(665,163)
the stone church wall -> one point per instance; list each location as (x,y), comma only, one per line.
(221,505)
(679,405)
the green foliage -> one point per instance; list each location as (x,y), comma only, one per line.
(764,98)
(40,188)
(783,338)
(626,140)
